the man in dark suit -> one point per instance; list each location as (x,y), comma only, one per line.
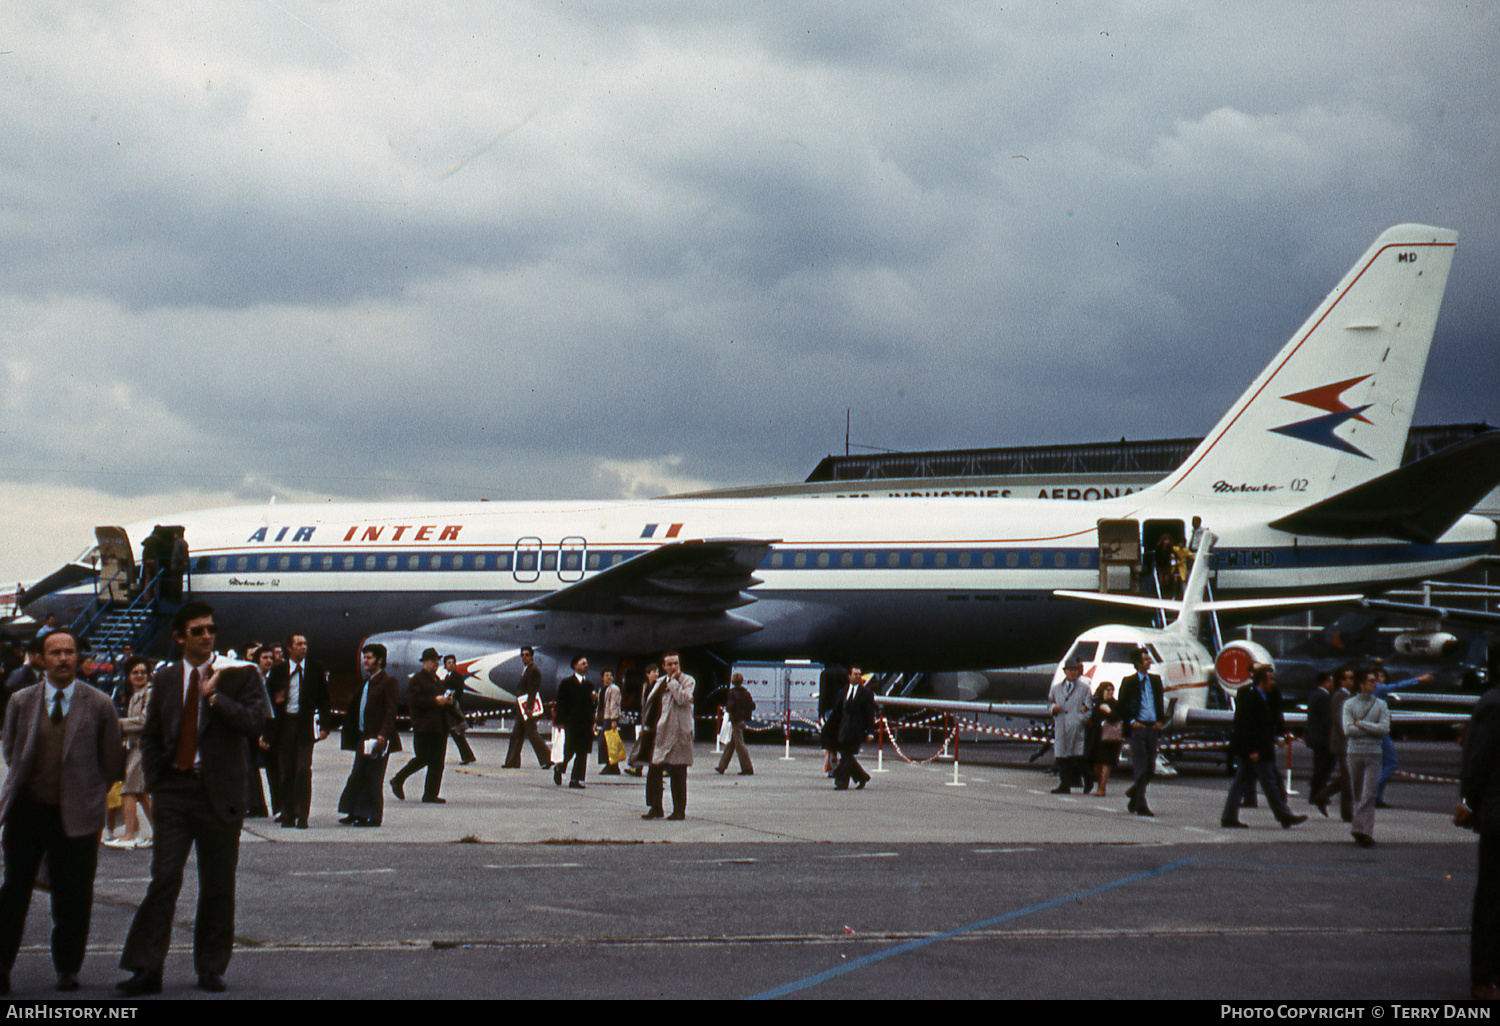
(370,733)
(856,720)
(200,721)
(1257,724)
(528,708)
(831,685)
(299,690)
(575,714)
(1143,711)
(62,747)
(1319,726)
(426,702)
(453,715)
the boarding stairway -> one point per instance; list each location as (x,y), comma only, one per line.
(107,625)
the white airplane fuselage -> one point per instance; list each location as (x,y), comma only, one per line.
(937,584)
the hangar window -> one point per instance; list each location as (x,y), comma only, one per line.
(940,559)
(916,560)
(847,559)
(800,559)
(988,559)
(893,559)
(1012,559)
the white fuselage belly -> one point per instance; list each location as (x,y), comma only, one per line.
(938,585)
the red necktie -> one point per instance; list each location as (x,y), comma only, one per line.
(187,740)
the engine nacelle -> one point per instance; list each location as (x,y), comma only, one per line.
(1425,644)
(1233,663)
(492,672)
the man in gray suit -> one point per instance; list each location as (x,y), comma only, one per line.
(200,721)
(62,747)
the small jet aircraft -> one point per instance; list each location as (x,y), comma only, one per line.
(1301,480)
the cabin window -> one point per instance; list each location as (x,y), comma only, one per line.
(916,560)
(822,559)
(1119,652)
(1012,559)
(327,562)
(800,559)
(963,558)
(1060,560)
(1036,559)
(988,559)
(869,559)
(940,559)
(893,559)
(846,560)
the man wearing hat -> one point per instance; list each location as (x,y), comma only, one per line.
(1071,702)
(426,701)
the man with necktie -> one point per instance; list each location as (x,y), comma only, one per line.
(200,721)
(856,714)
(299,691)
(62,747)
(1143,710)
(370,733)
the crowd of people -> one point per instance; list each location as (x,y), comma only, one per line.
(176,752)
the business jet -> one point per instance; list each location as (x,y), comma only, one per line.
(1301,480)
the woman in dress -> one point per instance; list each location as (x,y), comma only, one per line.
(1105,737)
(138,678)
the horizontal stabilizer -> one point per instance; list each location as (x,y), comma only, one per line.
(1418,502)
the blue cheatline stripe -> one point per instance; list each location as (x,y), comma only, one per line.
(900,949)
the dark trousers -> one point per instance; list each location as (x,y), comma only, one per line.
(1484,928)
(1073,771)
(523,731)
(428,750)
(364,791)
(849,767)
(678,778)
(33,832)
(1143,742)
(576,749)
(465,753)
(1324,763)
(294,767)
(184,819)
(1246,774)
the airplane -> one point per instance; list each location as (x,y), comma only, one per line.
(1301,479)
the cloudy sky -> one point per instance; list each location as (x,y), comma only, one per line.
(522,250)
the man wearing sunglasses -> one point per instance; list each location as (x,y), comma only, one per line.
(196,758)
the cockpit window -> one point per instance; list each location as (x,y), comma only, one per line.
(1119,652)
(1084,651)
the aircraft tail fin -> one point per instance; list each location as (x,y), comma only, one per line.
(1332,410)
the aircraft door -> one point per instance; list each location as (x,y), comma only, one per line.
(116,564)
(1159,541)
(526,564)
(570,555)
(1120,557)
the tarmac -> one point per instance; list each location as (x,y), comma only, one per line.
(929,883)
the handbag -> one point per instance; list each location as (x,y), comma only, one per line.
(1111,731)
(614,746)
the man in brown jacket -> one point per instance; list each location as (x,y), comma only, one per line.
(62,747)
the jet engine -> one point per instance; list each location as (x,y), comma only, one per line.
(491,672)
(1233,663)
(1426,644)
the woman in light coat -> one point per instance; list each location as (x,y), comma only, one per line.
(137,672)
(1366,720)
(673,752)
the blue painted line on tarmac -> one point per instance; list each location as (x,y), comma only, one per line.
(901,949)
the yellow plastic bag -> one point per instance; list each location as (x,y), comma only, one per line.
(615,745)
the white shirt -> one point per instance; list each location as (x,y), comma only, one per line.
(294,688)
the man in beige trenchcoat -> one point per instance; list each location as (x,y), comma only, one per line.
(673,753)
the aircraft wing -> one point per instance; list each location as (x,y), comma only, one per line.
(1220,605)
(1420,612)
(1034,711)
(683,578)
